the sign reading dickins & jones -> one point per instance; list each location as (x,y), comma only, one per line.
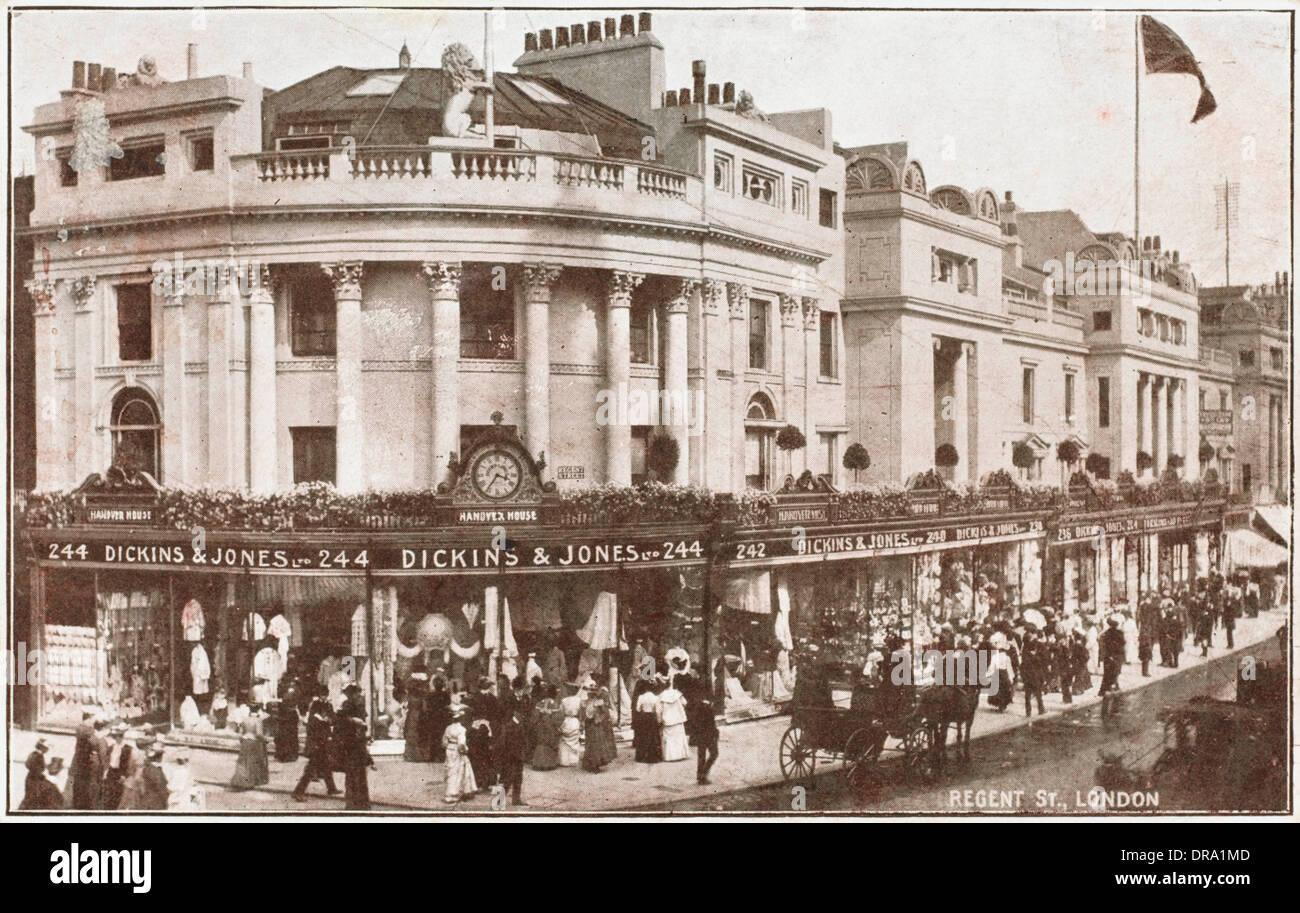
(416,557)
(1119,526)
(886,542)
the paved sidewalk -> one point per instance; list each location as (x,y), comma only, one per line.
(747,757)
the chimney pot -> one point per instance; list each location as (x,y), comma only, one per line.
(92,76)
(1277,281)
(108,79)
(643,23)
(627,26)
(670,98)
(191,61)
(1175,256)
(728,92)
(78,74)
(684,96)
(1008,196)
(530,42)
(547,43)
(611,28)
(593,30)
(248,69)
(1155,242)
(698,71)
(561,36)
(578,33)
(715,93)
(1286,282)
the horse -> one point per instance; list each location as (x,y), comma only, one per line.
(944,705)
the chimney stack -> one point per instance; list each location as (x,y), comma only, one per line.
(611,28)
(92,76)
(697,70)
(530,42)
(1155,244)
(78,74)
(684,96)
(561,36)
(643,23)
(627,26)
(547,44)
(593,30)
(248,69)
(1008,196)
(578,33)
(728,93)
(191,61)
(108,80)
(715,93)
(670,98)
(1286,282)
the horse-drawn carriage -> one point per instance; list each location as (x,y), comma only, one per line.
(826,729)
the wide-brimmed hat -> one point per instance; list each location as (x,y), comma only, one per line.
(352,688)
(458,710)
(155,750)
(118,728)
(42,745)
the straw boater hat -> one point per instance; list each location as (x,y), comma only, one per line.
(458,710)
(42,745)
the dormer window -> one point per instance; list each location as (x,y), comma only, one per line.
(377,84)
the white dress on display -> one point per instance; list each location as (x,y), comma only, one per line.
(570,732)
(200,670)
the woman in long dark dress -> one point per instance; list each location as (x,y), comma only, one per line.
(600,748)
(544,723)
(286,727)
(417,696)
(437,719)
(86,774)
(251,770)
(645,723)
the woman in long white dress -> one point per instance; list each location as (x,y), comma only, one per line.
(460,775)
(672,723)
(570,731)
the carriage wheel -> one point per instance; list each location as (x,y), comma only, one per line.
(918,752)
(798,755)
(861,754)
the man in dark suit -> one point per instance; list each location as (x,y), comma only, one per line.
(1111,645)
(701,730)
(1033,671)
(353,757)
(512,752)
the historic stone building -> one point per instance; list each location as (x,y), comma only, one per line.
(1250,327)
(605,259)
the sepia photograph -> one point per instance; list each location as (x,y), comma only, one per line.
(671,413)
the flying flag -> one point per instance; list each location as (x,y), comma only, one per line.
(1165,52)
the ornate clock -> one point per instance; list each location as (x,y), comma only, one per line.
(497,474)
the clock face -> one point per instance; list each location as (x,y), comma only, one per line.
(497,474)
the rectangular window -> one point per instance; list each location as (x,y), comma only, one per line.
(1100,321)
(487,315)
(199,148)
(140,159)
(311,315)
(134,322)
(1276,359)
(758,458)
(1103,402)
(1027,396)
(799,198)
(1180,332)
(761,185)
(1225,399)
(829,348)
(954,269)
(313,455)
(759,315)
(1069,398)
(641,331)
(640,442)
(67,174)
(828,204)
(723,169)
(1247,358)
(829,454)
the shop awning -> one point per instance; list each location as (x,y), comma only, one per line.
(1247,548)
(1276,522)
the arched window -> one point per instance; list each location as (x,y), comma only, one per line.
(760,435)
(136,431)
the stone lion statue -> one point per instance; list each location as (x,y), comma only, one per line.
(146,72)
(745,107)
(460,68)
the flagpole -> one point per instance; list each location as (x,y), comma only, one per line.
(489,126)
(1137,129)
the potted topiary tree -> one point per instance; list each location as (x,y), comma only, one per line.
(857,459)
(1067,454)
(661,456)
(945,456)
(1023,456)
(1098,465)
(1206,452)
(1144,461)
(788,440)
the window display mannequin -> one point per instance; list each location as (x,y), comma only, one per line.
(672,722)
(570,747)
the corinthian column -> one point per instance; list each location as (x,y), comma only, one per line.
(1160,437)
(538,280)
(87,458)
(738,309)
(675,411)
(220,405)
(618,359)
(350,469)
(812,370)
(51,465)
(175,453)
(714,436)
(443,281)
(262,440)
(1144,417)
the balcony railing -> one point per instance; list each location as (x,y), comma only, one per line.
(308,165)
